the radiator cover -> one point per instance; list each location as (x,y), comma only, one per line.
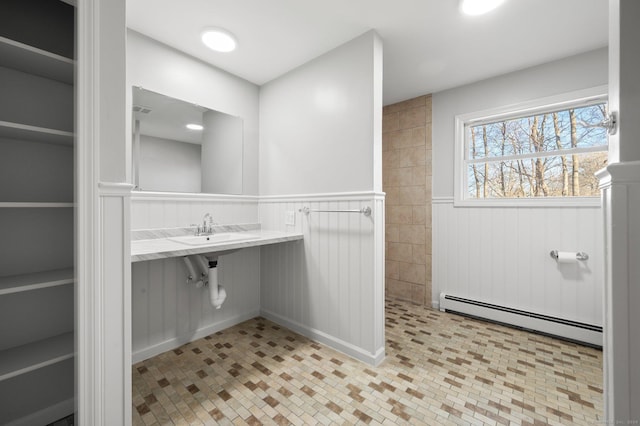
(544,324)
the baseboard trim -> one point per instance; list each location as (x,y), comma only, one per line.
(349,349)
(176,342)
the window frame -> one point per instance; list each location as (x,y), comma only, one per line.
(563,101)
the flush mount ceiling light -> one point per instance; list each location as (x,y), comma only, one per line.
(193,126)
(219,40)
(478,7)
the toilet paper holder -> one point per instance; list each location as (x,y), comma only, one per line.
(579,255)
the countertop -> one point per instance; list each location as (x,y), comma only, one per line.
(160,247)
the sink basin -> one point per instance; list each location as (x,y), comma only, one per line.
(201,240)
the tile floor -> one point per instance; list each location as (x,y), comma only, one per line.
(440,369)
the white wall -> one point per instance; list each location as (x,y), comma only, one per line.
(161,69)
(167,165)
(321,124)
(500,255)
(222,153)
(321,136)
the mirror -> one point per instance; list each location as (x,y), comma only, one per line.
(182,147)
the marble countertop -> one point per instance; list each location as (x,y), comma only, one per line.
(161,247)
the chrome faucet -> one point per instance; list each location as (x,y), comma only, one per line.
(207,224)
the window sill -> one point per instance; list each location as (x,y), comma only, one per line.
(530,202)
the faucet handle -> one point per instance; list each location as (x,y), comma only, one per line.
(197,231)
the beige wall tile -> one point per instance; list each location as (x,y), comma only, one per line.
(420,255)
(386,141)
(418,294)
(419,215)
(418,175)
(392,197)
(412,195)
(413,273)
(428,290)
(414,156)
(391,233)
(398,289)
(390,159)
(410,103)
(407,183)
(408,138)
(414,117)
(392,269)
(400,252)
(412,234)
(390,122)
(398,177)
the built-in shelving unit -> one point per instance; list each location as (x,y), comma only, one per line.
(42,353)
(32,60)
(34,205)
(36,211)
(34,133)
(35,281)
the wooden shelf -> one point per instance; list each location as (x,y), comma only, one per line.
(32,60)
(36,281)
(34,205)
(19,131)
(30,357)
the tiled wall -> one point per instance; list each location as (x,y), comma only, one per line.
(406,162)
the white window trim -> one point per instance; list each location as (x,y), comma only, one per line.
(558,102)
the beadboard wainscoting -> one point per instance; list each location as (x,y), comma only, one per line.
(174,210)
(500,255)
(168,312)
(330,286)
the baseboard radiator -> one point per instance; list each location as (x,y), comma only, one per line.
(566,329)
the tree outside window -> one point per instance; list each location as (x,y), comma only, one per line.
(547,154)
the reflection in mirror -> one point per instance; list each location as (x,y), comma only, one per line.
(182,147)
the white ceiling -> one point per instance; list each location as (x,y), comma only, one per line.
(428,45)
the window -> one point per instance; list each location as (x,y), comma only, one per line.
(549,151)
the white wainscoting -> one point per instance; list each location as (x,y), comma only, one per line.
(173,210)
(620,185)
(330,286)
(500,255)
(167,312)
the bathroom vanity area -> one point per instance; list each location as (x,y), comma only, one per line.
(171,306)
(311,263)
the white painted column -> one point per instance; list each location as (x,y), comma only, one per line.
(620,184)
(103,265)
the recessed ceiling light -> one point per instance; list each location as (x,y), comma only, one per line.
(219,40)
(478,7)
(193,126)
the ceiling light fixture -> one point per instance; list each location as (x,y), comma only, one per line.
(219,40)
(193,126)
(478,7)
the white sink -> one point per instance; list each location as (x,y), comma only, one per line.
(201,240)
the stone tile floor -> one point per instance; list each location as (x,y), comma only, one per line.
(440,369)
